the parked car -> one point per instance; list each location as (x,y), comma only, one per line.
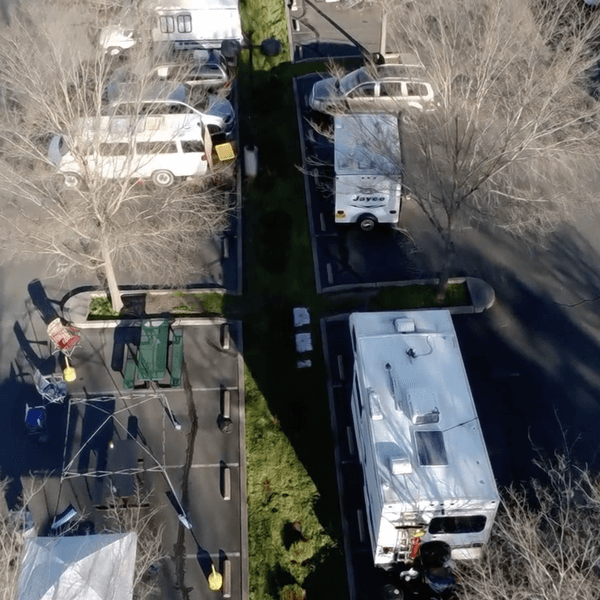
(161,148)
(382,88)
(126,85)
(218,116)
(205,68)
(127,95)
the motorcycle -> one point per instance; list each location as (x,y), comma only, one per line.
(429,577)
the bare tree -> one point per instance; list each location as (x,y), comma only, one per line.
(13,524)
(514,138)
(137,515)
(55,83)
(140,516)
(546,541)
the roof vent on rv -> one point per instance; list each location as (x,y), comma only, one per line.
(375,404)
(400,465)
(404,325)
(422,407)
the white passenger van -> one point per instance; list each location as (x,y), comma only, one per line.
(157,147)
(368,169)
(427,474)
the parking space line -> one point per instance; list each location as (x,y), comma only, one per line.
(203,465)
(215,555)
(149,392)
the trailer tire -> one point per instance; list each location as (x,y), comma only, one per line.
(163,179)
(367,222)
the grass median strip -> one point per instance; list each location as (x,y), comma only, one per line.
(287,540)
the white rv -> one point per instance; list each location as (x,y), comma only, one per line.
(427,473)
(368,169)
(157,147)
(182,24)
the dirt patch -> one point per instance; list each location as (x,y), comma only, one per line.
(157,304)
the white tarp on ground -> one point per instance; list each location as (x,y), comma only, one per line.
(89,567)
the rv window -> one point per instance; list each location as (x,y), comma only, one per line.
(156,148)
(471,524)
(184,23)
(192,146)
(430,448)
(167,24)
(118,149)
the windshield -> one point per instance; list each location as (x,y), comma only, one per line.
(353,79)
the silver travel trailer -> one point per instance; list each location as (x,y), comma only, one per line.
(368,170)
(427,474)
(177,24)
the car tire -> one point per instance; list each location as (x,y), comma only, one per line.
(367,223)
(72,181)
(163,179)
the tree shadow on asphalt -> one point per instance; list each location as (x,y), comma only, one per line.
(21,453)
(533,362)
(45,365)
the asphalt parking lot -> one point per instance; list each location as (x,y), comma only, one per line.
(344,255)
(508,410)
(104,436)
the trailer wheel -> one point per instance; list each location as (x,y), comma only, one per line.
(163,178)
(367,222)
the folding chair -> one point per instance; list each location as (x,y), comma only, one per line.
(51,388)
(64,338)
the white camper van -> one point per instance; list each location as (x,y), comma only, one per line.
(157,147)
(368,170)
(427,474)
(190,24)
(183,24)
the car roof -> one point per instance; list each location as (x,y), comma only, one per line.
(403,71)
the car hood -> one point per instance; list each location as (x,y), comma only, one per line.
(219,107)
(326,88)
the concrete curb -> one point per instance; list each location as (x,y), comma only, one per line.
(482,294)
(76,308)
(351,579)
(243,464)
(307,198)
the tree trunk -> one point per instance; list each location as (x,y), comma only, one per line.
(109,270)
(447,260)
